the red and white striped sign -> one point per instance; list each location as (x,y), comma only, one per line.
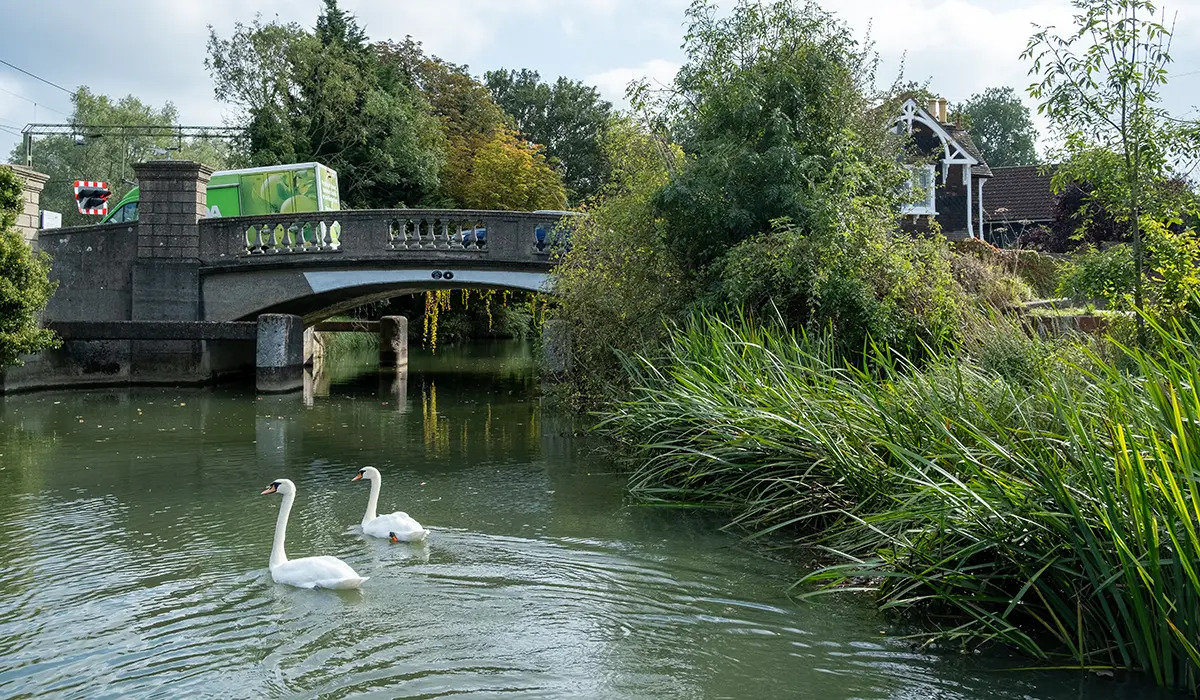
(91,184)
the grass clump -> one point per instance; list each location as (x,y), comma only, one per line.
(1016,490)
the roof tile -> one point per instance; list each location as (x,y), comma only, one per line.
(1019,193)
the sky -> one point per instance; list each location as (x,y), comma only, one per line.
(155,50)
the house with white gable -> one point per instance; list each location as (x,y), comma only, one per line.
(949,189)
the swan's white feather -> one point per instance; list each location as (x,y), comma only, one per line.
(317,572)
(402,524)
(406,528)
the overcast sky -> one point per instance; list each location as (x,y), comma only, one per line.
(155,50)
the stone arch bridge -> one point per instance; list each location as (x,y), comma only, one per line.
(317,265)
(176,297)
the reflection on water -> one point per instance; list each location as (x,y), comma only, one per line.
(135,545)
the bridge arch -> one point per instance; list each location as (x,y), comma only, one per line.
(318,294)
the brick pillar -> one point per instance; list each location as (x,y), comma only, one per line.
(170,207)
(29,220)
(166,274)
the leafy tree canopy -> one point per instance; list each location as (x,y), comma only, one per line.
(469,118)
(324,96)
(1001,125)
(772,108)
(511,173)
(567,117)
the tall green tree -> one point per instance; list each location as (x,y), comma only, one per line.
(488,164)
(25,285)
(567,117)
(773,111)
(469,118)
(1100,86)
(1001,125)
(110,158)
(324,95)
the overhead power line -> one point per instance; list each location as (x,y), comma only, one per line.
(35,103)
(37,77)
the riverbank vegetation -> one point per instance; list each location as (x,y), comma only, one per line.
(1034,492)
(758,333)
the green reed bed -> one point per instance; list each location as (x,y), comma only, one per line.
(1049,503)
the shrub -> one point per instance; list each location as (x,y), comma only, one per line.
(855,281)
(1039,271)
(25,285)
(1100,274)
(990,283)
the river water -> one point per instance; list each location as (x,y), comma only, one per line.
(134,546)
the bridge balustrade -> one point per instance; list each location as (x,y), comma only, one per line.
(502,236)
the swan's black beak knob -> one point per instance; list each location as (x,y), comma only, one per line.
(392,537)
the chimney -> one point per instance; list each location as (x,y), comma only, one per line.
(943,107)
(932,108)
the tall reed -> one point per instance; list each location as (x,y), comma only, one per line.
(1053,506)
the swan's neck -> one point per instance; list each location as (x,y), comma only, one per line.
(372,501)
(278,556)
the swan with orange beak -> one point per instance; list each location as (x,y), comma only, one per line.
(398,526)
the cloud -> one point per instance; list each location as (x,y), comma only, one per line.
(612,83)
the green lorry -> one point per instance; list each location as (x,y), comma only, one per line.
(275,189)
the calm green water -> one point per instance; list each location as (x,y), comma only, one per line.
(134,545)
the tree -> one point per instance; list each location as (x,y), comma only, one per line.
(1099,85)
(110,159)
(1001,125)
(510,173)
(488,165)
(765,180)
(568,118)
(618,281)
(469,118)
(325,96)
(772,109)
(25,285)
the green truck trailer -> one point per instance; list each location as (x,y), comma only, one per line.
(276,189)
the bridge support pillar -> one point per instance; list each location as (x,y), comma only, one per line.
(393,341)
(279,358)
(315,343)
(556,347)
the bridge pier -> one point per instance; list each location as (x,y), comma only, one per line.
(556,348)
(393,341)
(279,356)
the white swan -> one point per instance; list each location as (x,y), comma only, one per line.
(309,572)
(398,527)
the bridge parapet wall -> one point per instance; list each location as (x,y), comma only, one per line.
(420,235)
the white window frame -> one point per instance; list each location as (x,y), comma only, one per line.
(929,206)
